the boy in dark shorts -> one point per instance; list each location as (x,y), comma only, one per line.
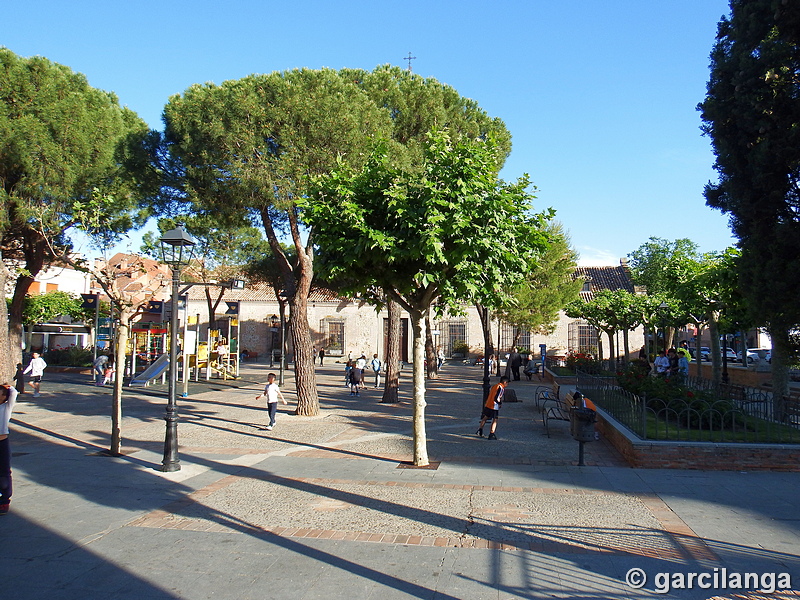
(491,409)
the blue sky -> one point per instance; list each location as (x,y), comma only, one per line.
(599,96)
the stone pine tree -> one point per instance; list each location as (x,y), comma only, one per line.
(245,149)
(446,232)
(61,143)
(752,115)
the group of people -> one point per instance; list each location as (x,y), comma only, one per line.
(35,370)
(354,372)
(673,363)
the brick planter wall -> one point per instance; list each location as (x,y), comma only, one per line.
(649,454)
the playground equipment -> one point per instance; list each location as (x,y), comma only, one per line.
(156,369)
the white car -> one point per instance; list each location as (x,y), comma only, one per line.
(752,354)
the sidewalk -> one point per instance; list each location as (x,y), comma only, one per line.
(324,507)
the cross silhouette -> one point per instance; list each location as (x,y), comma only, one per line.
(409,58)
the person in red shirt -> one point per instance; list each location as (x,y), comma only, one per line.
(491,409)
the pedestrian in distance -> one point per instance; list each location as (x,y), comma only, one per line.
(108,373)
(515,362)
(347,368)
(361,365)
(356,377)
(272,393)
(8,396)
(661,363)
(99,367)
(36,369)
(19,379)
(321,355)
(376,368)
(491,409)
(439,358)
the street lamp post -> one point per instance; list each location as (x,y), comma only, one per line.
(273,321)
(177,247)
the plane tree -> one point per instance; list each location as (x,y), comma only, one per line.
(447,232)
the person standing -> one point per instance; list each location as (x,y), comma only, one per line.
(491,409)
(19,379)
(321,355)
(356,376)
(661,363)
(515,362)
(36,369)
(272,393)
(376,368)
(8,396)
(439,358)
(99,366)
(361,364)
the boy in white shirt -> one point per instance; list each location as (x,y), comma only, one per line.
(36,368)
(272,392)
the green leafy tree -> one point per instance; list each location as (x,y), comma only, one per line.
(61,146)
(445,233)
(46,307)
(662,267)
(549,285)
(750,113)
(609,311)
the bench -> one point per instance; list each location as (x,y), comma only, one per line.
(544,393)
(556,408)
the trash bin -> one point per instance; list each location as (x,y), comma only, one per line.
(581,423)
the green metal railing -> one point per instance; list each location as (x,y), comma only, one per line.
(727,413)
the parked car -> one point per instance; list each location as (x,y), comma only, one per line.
(705,353)
(752,354)
(728,353)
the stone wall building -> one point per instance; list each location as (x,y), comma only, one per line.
(343,326)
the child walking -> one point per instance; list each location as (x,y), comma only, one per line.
(272,392)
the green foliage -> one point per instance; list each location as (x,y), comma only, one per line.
(460,347)
(417,105)
(750,113)
(450,231)
(46,307)
(60,150)
(73,356)
(549,285)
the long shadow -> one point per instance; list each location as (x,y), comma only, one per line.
(40,563)
(39,556)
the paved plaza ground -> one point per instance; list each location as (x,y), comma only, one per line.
(324,507)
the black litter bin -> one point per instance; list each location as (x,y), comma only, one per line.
(581,423)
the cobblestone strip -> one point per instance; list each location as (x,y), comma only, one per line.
(691,545)
(685,543)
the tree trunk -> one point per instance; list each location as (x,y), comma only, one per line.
(305,377)
(780,370)
(626,343)
(612,357)
(420,440)
(697,356)
(431,357)
(9,361)
(121,343)
(392,361)
(669,336)
(713,329)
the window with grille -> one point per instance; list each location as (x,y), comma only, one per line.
(508,333)
(582,337)
(453,336)
(333,334)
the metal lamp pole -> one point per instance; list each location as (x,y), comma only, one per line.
(176,247)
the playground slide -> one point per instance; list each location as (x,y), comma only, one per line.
(151,372)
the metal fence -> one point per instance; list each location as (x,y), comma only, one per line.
(725,413)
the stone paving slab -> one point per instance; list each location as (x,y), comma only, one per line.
(319,508)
